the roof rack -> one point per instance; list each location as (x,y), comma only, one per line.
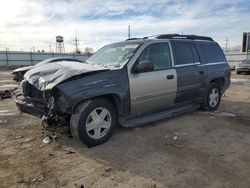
(132,39)
(177,36)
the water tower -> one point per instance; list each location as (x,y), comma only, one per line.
(59,44)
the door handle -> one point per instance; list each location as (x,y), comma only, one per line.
(170,77)
(201,71)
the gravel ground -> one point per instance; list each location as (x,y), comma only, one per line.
(196,149)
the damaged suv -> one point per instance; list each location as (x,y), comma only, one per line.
(130,83)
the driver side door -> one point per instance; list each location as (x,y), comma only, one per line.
(155,90)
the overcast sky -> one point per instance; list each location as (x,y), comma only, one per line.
(27,23)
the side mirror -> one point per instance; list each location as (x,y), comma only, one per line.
(143,66)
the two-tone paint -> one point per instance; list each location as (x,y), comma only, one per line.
(134,94)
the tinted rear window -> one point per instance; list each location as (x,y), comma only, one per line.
(183,53)
(212,52)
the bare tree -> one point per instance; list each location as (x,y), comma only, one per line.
(88,51)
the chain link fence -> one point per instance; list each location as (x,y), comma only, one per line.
(234,58)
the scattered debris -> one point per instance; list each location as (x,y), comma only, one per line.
(17,137)
(70,152)
(6,90)
(46,140)
(175,140)
(49,138)
(38,179)
(108,169)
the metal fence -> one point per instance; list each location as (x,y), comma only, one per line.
(234,58)
(17,58)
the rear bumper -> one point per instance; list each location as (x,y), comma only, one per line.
(34,107)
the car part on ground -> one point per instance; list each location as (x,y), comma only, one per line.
(128,83)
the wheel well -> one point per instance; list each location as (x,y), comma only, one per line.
(219,81)
(113,98)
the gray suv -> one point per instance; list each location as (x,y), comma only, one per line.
(130,83)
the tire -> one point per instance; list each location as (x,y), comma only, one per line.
(210,101)
(90,124)
(238,72)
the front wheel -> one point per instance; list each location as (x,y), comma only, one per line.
(212,97)
(93,121)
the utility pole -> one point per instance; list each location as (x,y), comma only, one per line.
(76,43)
(226,44)
(129,32)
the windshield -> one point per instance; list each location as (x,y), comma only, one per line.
(114,55)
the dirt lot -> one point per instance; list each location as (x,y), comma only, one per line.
(196,149)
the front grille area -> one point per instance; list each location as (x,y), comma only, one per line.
(29,90)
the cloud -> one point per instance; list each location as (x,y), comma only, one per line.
(26,23)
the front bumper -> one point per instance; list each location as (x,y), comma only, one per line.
(242,69)
(35,107)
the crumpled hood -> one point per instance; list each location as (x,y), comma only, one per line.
(45,77)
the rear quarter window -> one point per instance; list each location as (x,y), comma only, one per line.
(212,52)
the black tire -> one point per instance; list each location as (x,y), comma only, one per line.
(79,119)
(238,72)
(205,105)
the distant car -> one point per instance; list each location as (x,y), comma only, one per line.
(17,74)
(244,66)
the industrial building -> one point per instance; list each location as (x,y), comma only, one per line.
(246,42)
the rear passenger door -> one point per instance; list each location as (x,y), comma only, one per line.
(190,75)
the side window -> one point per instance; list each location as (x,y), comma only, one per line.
(183,52)
(158,54)
(212,52)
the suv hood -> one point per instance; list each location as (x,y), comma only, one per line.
(26,68)
(244,65)
(45,77)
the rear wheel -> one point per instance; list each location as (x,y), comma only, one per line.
(238,72)
(212,97)
(94,121)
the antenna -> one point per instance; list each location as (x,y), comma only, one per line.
(129,32)
(76,43)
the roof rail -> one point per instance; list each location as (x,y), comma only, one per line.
(133,39)
(177,36)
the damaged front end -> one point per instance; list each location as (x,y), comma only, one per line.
(42,105)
